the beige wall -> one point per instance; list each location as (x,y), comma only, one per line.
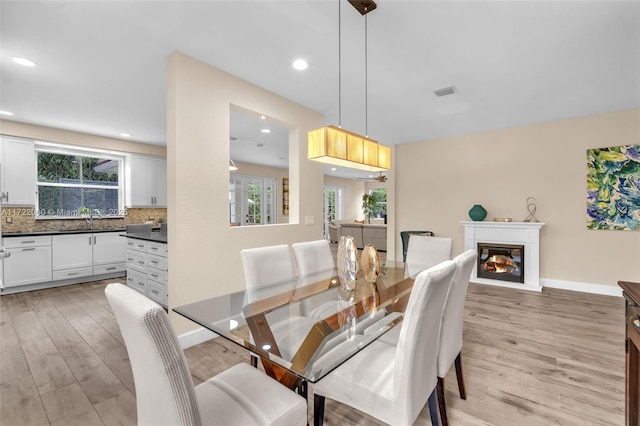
(205,251)
(50,134)
(440,180)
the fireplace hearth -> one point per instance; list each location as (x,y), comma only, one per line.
(504,262)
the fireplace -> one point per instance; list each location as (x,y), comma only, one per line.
(504,262)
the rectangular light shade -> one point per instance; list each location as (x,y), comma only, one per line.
(333,145)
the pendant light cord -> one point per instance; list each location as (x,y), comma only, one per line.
(339,66)
(366,82)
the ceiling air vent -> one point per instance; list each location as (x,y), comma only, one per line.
(445,91)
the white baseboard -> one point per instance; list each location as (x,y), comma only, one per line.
(606,290)
(195,337)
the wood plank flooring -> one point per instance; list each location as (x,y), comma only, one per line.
(555,358)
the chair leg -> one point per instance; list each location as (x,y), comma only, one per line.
(433,411)
(460,376)
(318,410)
(441,402)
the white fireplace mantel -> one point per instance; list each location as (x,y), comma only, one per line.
(524,233)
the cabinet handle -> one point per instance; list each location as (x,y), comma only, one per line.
(129,259)
(154,275)
(141,245)
(7,196)
(154,261)
(154,248)
(29,249)
(89,240)
(141,284)
(155,291)
(129,279)
(94,239)
(111,269)
(28,242)
(72,273)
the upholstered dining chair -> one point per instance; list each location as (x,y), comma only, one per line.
(450,351)
(425,252)
(393,382)
(165,394)
(405,235)
(315,262)
(269,271)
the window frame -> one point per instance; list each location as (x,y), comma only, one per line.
(41,147)
(272,199)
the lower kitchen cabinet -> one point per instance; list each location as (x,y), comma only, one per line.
(147,268)
(29,260)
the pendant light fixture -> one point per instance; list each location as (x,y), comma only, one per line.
(334,145)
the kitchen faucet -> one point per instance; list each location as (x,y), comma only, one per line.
(89,219)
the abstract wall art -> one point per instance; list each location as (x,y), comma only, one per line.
(613,188)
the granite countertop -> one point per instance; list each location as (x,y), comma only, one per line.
(158,237)
(61,232)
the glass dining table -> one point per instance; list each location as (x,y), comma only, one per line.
(304,328)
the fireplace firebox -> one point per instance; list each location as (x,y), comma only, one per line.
(501,262)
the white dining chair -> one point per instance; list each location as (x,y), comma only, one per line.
(165,394)
(393,382)
(451,331)
(425,252)
(269,271)
(314,261)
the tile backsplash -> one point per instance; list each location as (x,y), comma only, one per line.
(22,219)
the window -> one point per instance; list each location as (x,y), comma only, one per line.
(334,205)
(380,195)
(251,200)
(71,183)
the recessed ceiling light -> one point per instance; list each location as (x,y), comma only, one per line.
(333,169)
(263,117)
(24,62)
(300,64)
(6,113)
(125,135)
(266,130)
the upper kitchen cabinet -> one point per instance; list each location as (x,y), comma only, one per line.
(18,168)
(146,181)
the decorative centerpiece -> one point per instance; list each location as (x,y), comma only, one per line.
(347,262)
(370,263)
(531,208)
(477,213)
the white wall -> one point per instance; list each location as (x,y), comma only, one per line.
(204,251)
(439,181)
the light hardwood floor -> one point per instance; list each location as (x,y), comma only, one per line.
(555,358)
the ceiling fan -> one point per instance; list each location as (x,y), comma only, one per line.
(380,178)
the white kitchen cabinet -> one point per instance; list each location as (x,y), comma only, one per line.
(147,268)
(18,168)
(29,260)
(79,255)
(109,248)
(72,251)
(146,181)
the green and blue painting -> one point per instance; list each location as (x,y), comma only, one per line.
(613,188)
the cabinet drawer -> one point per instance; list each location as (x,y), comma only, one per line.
(137,261)
(156,275)
(157,262)
(17,242)
(27,265)
(156,248)
(155,292)
(135,244)
(137,281)
(72,273)
(109,269)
